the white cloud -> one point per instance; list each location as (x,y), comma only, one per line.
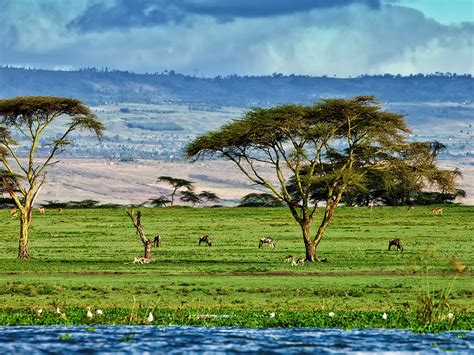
(345,41)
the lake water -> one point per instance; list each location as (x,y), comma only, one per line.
(152,339)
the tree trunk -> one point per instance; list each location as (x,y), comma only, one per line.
(25,224)
(309,245)
(328,215)
(310,251)
(148,249)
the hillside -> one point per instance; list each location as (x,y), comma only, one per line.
(100,87)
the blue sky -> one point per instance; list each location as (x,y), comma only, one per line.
(254,37)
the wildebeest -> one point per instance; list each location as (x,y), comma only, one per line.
(436,210)
(157,241)
(397,243)
(266,240)
(205,239)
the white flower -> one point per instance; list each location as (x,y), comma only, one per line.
(39,311)
(332,314)
(384,316)
(450,315)
(99,312)
(150,318)
(272,315)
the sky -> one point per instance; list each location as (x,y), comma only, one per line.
(245,37)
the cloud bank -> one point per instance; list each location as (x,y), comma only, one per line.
(212,37)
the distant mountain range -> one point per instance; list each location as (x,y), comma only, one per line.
(97,87)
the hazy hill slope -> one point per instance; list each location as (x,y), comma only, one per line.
(98,87)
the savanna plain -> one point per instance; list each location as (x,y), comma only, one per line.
(84,258)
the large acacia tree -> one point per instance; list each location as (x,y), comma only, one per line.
(23,171)
(330,145)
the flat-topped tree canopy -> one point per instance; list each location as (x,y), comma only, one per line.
(28,110)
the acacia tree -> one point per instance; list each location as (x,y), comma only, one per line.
(23,173)
(176,184)
(260,199)
(190,196)
(208,196)
(160,201)
(333,144)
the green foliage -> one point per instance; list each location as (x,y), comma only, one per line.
(160,201)
(190,196)
(280,318)
(260,200)
(208,196)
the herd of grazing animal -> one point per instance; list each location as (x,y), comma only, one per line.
(264,241)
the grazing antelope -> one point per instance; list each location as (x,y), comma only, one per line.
(436,210)
(13,213)
(397,243)
(266,240)
(205,239)
(142,260)
(370,206)
(300,261)
(157,241)
(41,210)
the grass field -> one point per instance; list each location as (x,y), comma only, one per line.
(84,258)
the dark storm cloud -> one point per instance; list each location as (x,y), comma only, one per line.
(124,14)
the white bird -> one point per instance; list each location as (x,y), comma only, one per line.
(58,311)
(272,315)
(89,314)
(450,316)
(384,316)
(332,314)
(99,312)
(150,318)
(39,311)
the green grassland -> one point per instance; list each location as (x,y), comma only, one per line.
(85,258)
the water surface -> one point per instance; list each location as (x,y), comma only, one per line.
(176,340)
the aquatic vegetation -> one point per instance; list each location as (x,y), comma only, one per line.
(241,318)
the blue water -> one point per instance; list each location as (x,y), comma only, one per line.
(178,340)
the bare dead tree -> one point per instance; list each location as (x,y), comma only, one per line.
(147,243)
